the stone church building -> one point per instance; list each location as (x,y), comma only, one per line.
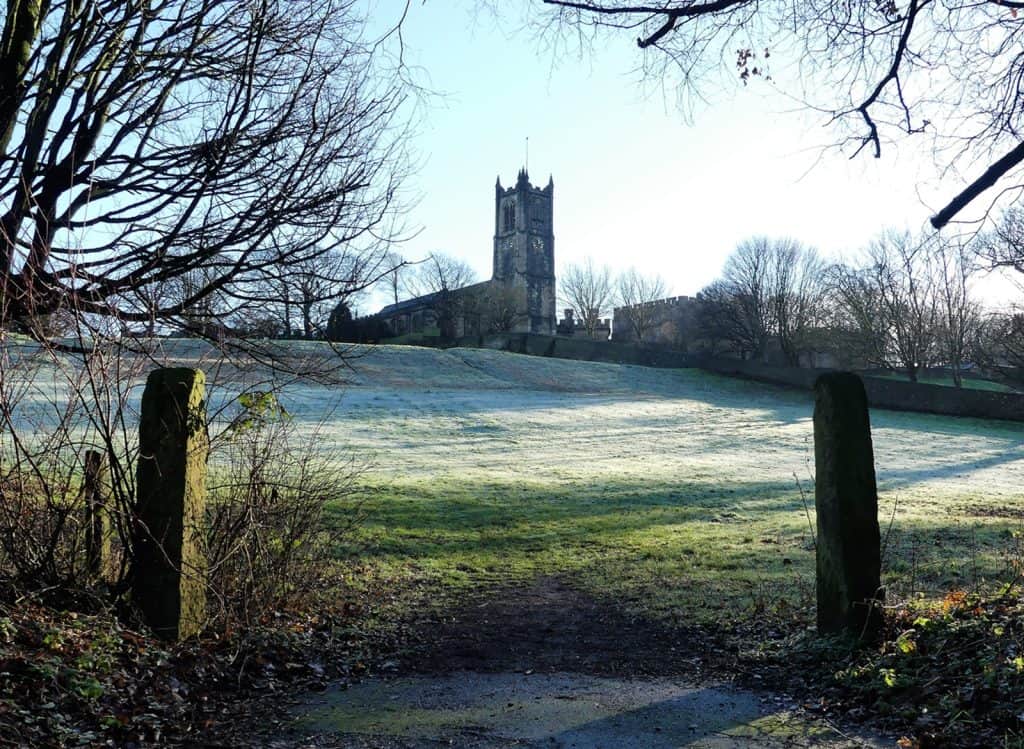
(520,297)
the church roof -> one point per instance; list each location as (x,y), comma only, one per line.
(409,304)
(428,299)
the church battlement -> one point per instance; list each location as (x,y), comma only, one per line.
(570,325)
(524,248)
(523,271)
(523,180)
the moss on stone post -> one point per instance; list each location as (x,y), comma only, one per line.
(96,495)
(169,574)
(846,500)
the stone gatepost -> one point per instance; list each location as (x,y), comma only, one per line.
(96,494)
(169,575)
(846,500)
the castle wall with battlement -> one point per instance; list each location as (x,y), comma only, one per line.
(576,328)
(672,301)
(671,321)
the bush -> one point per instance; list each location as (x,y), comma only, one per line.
(269,536)
(52,410)
(343,328)
(269,493)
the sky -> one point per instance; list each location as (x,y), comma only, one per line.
(637,183)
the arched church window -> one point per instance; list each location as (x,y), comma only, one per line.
(510,215)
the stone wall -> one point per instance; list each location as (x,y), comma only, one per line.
(570,325)
(580,349)
(669,322)
(882,392)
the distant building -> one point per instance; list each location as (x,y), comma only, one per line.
(681,322)
(670,322)
(520,296)
(569,325)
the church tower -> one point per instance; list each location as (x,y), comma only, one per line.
(524,250)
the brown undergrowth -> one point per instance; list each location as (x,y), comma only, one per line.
(74,677)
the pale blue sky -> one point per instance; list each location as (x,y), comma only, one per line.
(635,184)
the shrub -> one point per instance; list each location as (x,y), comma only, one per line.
(270,488)
(52,410)
(269,535)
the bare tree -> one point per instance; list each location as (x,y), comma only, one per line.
(797,286)
(314,286)
(636,294)
(770,289)
(201,314)
(317,284)
(439,272)
(588,291)
(879,70)
(959,312)
(858,319)
(747,295)
(720,322)
(439,279)
(501,307)
(893,301)
(142,142)
(1003,245)
(395,266)
(999,345)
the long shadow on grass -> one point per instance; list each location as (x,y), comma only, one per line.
(779,404)
(1003,443)
(899,478)
(423,520)
(946,426)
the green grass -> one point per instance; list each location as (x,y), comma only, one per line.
(685,551)
(673,492)
(414,338)
(659,547)
(969,383)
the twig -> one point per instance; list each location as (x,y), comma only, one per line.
(807,510)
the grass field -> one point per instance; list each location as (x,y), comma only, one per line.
(679,493)
(530,514)
(969,383)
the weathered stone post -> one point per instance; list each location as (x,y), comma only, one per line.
(846,500)
(96,494)
(169,577)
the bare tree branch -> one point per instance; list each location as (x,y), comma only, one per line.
(246,140)
(881,70)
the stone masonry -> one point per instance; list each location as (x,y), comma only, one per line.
(523,266)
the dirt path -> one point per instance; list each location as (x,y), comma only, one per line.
(547,666)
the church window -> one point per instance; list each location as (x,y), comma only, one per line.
(510,215)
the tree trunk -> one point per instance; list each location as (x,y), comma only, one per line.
(287,320)
(21,30)
(958,379)
(790,352)
(307,320)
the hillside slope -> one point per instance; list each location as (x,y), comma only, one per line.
(476,411)
(405,366)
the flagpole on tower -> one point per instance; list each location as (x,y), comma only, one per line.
(527,153)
